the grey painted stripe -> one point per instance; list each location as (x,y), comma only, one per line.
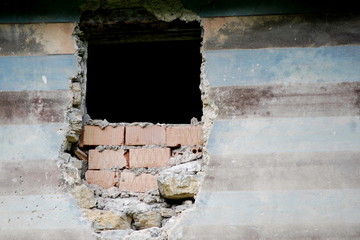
(287,100)
(276,135)
(33,107)
(279,31)
(27,142)
(36,72)
(328,207)
(283,171)
(287,65)
(311,231)
(30,177)
(57,211)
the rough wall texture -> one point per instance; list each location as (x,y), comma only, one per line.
(284,146)
(37,61)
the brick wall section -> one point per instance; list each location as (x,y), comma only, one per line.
(95,135)
(149,146)
(108,159)
(104,179)
(149,157)
(150,135)
(184,136)
(142,183)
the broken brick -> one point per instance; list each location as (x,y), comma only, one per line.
(149,157)
(149,135)
(107,159)
(142,183)
(104,179)
(81,155)
(184,136)
(94,135)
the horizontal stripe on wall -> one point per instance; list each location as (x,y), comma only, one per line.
(33,107)
(47,215)
(280,207)
(37,72)
(287,100)
(284,232)
(207,8)
(279,31)
(297,214)
(36,39)
(283,171)
(278,135)
(286,65)
(30,177)
(30,142)
(20,11)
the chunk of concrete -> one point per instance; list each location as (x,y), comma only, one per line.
(178,186)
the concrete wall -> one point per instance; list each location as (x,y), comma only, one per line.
(284,147)
(37,60)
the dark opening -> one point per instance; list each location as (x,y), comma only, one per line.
(154,82)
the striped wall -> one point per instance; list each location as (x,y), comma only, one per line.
(37,60)
(285,145)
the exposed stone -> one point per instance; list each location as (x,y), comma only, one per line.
(104,220)
(114,234)
(178,186)
(76,90)
(153,233)
(84,196)
(147,220)
(167,212)
(71,175)
(190,167)
(112,192)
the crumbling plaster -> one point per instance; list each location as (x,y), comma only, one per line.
(119,214)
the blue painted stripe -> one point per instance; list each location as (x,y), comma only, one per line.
(276,135)
(36,72)
(28,142)
(293,207)
(284,65)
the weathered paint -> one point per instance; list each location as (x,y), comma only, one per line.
(37,72)
(33,107)
(272,66)
(207,8)
(283,171)
(20,11)
(280,31)
(293,214)
(278,135)
(287,100)
(29,142)
(47,216)
(34,176)
(36,39)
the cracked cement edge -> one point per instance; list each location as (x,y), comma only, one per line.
(164,10)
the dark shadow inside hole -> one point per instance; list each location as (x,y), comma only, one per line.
(154,82)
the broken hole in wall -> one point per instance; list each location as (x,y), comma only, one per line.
(139,73)
(155,79)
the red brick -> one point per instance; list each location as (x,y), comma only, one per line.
(150,135)
(142,183)
(94,135)
(107,159)
(184,136)
(149,157)
(104,179)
